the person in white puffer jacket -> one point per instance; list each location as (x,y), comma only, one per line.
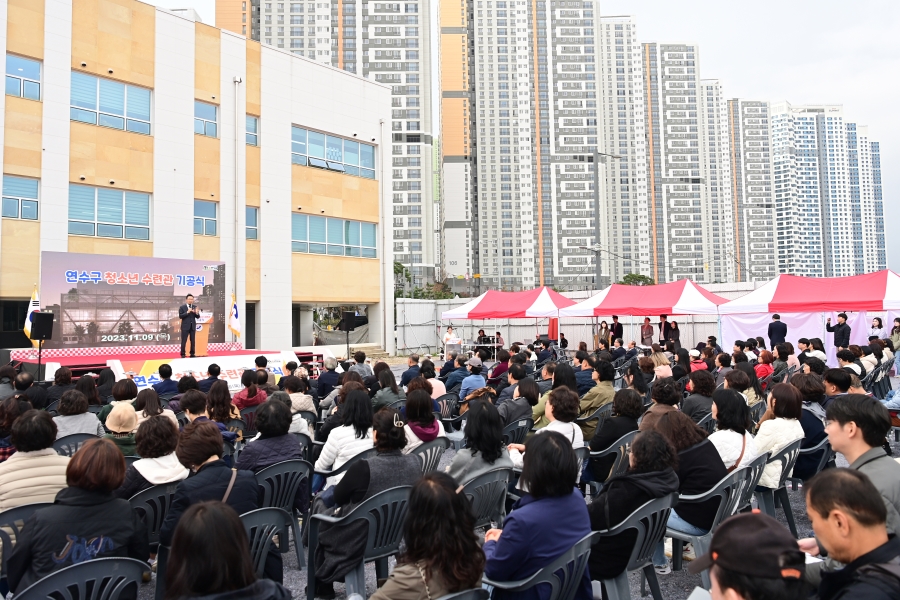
(779,426)
(732,439)
(351,438)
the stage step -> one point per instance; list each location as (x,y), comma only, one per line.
(371,352)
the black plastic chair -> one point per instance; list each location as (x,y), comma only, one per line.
(827,455)
(95,409)
(384,513)
(398,404)
(312,420)
(261,526)
(768,498)
(53,407)
(448,403)
(153,505)
(9,520)
(620,448)
(361,456)
(430,453)
(473,594)
(306,445)
(728,491)
(487,496)
(70,444)
(758,410)
(563,575)
(649,521)
(98,579)
(278,485)
(182,419)
(515,432)
(708,424)
(248,416)
(601,414)
(756,468)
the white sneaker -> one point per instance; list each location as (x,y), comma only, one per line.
(597,590)
(688,553)
(663,570)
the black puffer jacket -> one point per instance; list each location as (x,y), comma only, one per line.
(265,452)
(80,526)
(210,483)
(262,589)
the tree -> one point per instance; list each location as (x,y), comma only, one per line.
(637,279)
(124,328)
(92,330)
(79,331)
(402,278)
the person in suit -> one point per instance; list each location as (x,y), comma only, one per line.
(214,371)
(665,329)
(188,314)
(632,350)
(616,331)
(777,331)
(646,332)
(618,351)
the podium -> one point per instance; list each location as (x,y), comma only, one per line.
(201,335)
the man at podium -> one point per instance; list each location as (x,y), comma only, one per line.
(188,313)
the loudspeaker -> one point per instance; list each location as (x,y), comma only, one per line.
(348,321)
(41,325)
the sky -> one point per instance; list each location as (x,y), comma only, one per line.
(802,51)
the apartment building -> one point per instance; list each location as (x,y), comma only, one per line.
(716,174)
(388,42)
(194,143)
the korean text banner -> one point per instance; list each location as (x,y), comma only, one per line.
(103,300)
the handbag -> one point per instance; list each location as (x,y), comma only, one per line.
(230,485)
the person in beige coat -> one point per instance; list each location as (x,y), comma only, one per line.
(35,473)
(435,564)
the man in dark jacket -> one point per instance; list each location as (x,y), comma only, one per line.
(584,377)
(664,328)
(616,330)
(457,376)
(777,331)
(617,350)
(841,331)
(848,518)
(329,378)
(165,385)
(544,355)
(449,365)
(412,372)
(213,372)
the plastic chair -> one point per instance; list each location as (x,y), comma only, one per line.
(182,419)
(827,455)
(620,449)
(153,505)
(728,491)
(430,453)
(473,594)
(9,520)
(361,456)
(756,468)
(770,498)
(278,485)
(397,404)
(564,575)
(261,526)
(311,419)
(708,424)
(601,414)
(306,444)
(649,520)
(95,409)
(98,579)
(70,444)
(487,496)
(758,410)
(448,403)
(384,513)
(248,416)
(52,407)
(515,432)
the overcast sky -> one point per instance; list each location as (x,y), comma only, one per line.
(810,51)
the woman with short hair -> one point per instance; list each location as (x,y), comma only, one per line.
(62,382)
(661,365)
(562,375)
(561,411)
(74,416)
(778,427)
(525,397)
(764,367)
(421,424)
(699,403)
(10,409)
(650,475)
(665,397)
(85,521)
(428,371)
(526,543)
(124,391)
(195,572)
(812,420)
(732,437)
(274,444)
(155,441)
(442,555)
(484,449)
(35,472)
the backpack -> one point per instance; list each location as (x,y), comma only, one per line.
(884,576)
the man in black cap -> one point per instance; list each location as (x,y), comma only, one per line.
(753,557)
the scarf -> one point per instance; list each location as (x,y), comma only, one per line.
(426,433)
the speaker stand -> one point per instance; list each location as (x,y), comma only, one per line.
(40,350)
(348,345)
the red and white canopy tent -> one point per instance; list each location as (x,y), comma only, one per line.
(804,303)
(538,303)
(682,297)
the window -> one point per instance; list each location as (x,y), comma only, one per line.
(337,237)
(252,130)
(205,217)
(315,149)
(20,196)
(109,103)
(23,77)
(205,118)
(108,213)
(252,223)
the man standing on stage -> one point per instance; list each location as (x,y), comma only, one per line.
(616,331)
(841,331)
(664,328)
(188,314)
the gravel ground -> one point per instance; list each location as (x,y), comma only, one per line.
(675,586)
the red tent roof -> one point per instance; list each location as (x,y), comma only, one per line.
(682,297)
(539,302)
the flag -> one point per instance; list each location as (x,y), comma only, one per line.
(33,307)
(234,323)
